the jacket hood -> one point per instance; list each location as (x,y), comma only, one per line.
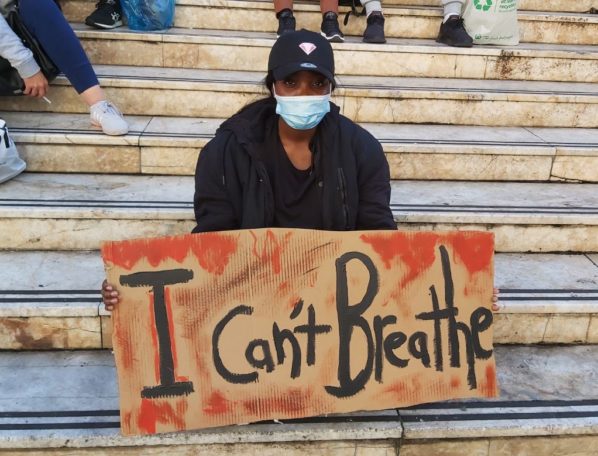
(249,125)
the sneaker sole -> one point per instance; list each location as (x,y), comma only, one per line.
(375,41)
(104,26)
(461,45)
(334,38)
(112,133)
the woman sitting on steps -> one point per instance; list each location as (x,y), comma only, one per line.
(46,23)
(291,160)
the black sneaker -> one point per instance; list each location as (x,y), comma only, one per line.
(286,22)
(108,15)
(374,32)
(330,29)
(453,33)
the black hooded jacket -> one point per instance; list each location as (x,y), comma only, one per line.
(233,189)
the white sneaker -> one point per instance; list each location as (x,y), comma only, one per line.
(105,115)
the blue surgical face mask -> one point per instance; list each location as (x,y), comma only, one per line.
(303,112)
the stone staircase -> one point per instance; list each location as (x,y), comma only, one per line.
(500,139)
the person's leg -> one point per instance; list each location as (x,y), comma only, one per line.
(93,95)
(452,31)
(45,21)
(284,14)
(280,5)
(330,28)
(374,32)
(452,8)
(371,6)
(329,5)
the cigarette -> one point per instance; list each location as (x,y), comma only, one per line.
(46,100)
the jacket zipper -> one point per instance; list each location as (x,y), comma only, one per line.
(264,180)
(343,190)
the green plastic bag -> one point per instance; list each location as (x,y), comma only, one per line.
(492,21)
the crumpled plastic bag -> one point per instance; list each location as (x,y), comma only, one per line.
(10,162)
(492,21)
(148,14)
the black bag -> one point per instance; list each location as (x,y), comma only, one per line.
(353,4)
(10,81)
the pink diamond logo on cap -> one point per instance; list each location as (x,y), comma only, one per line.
(308,48)
(299,51)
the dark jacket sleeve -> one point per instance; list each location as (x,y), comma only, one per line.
(373,178)
(214,210)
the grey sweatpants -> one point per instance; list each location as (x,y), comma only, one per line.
(450,6)
(453,6)
(371,5)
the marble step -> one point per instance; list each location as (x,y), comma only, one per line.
(574,6)
(170,145)
(51,300)
(248,51)
(81,8)
(210,93)
(67,403)
(401,21)
(77,212)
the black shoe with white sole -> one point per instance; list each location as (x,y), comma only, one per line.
(330,28)
(108,15)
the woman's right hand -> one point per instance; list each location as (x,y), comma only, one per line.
(109,296)
(36,86)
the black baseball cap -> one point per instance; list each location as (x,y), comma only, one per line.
(301,50)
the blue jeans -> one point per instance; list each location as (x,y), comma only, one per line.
(45,21)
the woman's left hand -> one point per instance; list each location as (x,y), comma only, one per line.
(495,304)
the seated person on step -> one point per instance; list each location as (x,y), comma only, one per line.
(374,32)
(44,20)
(291,160)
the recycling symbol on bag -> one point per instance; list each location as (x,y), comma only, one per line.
(478,4)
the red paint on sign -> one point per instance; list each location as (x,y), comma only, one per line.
(124,342)
(217,404)
(293,301)
(212,250)
(416,250)
(153,411)
(488,386)
(401,391)
(399,388)
(284,287)
(473,249)
(126,422)
(455,382)
(181,409)
(293,402)
(331,300)
(127,254)
(271,250)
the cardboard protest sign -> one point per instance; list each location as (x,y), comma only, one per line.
(242,326)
